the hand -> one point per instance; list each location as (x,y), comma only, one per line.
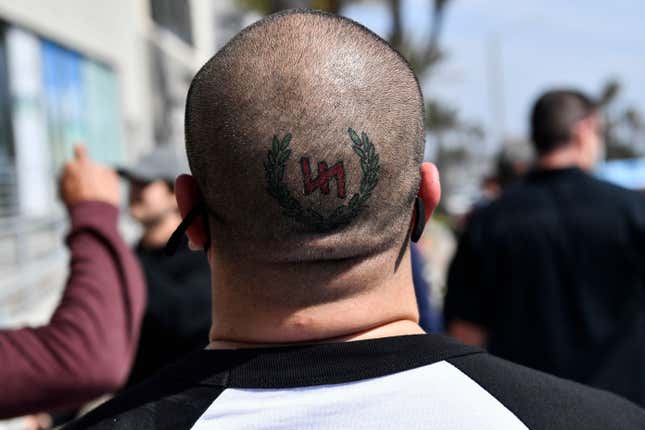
(40,421)
(83,180)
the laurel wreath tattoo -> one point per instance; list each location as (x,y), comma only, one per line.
(274,168)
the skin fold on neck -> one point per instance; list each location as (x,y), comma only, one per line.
(242,319)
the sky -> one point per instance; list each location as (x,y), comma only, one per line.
(539,44)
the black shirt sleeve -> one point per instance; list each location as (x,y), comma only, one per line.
(542,401)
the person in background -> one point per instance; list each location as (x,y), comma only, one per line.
(88,346)
(551,275)
(315,322)
(429,318)
(177,318)
(511,163)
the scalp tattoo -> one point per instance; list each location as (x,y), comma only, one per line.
(274,168)
(337,171)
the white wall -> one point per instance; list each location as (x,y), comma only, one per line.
(119,33)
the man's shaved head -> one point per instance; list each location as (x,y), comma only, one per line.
(305,135)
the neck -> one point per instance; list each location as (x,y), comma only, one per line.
(394,328)
(560,159)
(363,303)
(157,234)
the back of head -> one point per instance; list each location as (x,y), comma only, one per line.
(555,114)
(305,135)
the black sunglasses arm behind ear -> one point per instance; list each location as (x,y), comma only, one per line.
(175,238)
(419,220)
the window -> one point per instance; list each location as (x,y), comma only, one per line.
(8,203)
(50,98)
(173,15)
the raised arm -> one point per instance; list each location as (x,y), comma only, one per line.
(87,348)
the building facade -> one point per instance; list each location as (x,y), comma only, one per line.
(112,75)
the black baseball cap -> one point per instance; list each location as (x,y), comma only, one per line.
(164,162)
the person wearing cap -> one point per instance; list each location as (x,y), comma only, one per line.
(177,318)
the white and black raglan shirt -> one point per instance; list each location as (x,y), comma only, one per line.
(406,382)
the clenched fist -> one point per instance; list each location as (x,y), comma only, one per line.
(83,180)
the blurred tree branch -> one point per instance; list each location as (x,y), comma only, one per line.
(278,5)
(622,126)
(271,6)
(421,58)
(441,120)
(424,57)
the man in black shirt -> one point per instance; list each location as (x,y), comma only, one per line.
(177,318)
(315,322)
(551,275)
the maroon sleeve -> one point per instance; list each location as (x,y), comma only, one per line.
(87,348)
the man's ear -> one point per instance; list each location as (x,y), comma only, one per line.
(585,139)
(430,188)
(578,133)
(188,197)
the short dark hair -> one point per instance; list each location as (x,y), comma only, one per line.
(330,91)
(170,185)
(555,114)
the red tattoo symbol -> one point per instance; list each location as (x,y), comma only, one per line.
(325,174)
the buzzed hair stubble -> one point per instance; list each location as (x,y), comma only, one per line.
(305,134)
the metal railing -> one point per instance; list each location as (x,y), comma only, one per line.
(32,258)
(8,189)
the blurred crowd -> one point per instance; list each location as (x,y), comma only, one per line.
(547,272)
